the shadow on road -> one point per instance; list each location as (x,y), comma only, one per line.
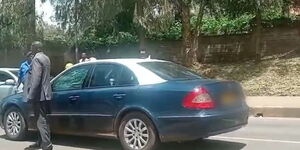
(207,144)
(105,144)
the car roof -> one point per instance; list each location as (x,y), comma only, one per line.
(9,69)
(124,61)
(144,76)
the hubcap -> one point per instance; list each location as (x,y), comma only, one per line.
(136,134)
(13,123)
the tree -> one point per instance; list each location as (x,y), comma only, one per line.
(17,23)
(152,16)
(258,30)
(190,39)
(77,17)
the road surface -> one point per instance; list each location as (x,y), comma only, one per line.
(260,134)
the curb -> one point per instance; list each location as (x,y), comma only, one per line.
(275,112)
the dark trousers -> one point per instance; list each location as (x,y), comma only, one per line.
(41,109)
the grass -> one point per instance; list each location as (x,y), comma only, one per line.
(273,77)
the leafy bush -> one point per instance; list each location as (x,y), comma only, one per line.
(173,33)
(225,25)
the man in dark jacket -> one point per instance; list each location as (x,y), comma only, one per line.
(39,95)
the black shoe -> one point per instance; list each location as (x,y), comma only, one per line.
(34,146)
(48,148)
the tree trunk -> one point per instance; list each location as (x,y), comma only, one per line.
(76,3)
(30,25)
(140,29)
(142,40)
(286,8)
(189,56)
(257,35)
(197,33)
(5,57)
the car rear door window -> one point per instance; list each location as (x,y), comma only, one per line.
(72,79)
(127,78)
(105,75)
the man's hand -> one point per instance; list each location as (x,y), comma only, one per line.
(30,101)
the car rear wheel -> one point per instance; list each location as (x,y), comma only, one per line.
(137,132)
(14,124)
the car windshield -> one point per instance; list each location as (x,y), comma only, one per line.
(170,71)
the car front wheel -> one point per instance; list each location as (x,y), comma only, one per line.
(137,132)
(14,124)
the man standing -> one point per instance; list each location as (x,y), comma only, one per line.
(40,95)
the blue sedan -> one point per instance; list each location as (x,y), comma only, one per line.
(141,102)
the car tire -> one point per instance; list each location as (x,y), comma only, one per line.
(137,132)
(14,124)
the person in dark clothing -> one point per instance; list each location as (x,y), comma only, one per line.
(40,95)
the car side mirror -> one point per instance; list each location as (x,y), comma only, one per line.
(10,82)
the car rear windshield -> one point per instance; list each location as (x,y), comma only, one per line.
(170,71)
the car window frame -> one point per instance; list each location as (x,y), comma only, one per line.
(6,73)
(84,84)
(119,75)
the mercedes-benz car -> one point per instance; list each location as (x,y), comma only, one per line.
(141,102)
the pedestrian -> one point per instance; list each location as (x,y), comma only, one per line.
(24,68)
(40,95)
(84,58)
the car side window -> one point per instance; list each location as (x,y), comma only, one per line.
(4,76)
(72,79)
(127,78)
(105,75)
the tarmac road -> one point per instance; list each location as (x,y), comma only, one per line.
(260,134)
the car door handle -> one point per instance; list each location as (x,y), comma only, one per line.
(119,96)
(74,98)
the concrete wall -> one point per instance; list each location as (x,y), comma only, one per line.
(212,49)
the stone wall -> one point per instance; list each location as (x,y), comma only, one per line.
(212,49)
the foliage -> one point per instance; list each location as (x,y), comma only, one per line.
(77,17)
(99,22)
(14,16)
(225,25)
(155,15)
(173,33)
(92,41)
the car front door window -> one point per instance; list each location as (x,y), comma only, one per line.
(72,79)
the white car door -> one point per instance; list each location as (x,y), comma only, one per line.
(5,89)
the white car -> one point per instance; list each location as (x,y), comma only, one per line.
(8,82)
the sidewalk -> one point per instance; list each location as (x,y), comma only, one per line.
(269,106)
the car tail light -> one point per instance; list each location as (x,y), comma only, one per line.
(198,98)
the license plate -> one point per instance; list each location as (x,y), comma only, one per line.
(228,98)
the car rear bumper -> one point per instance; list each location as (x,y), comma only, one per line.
(184,128)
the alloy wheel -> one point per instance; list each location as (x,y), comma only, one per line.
(136,134)
(13,123)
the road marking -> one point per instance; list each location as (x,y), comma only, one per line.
(256,139)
